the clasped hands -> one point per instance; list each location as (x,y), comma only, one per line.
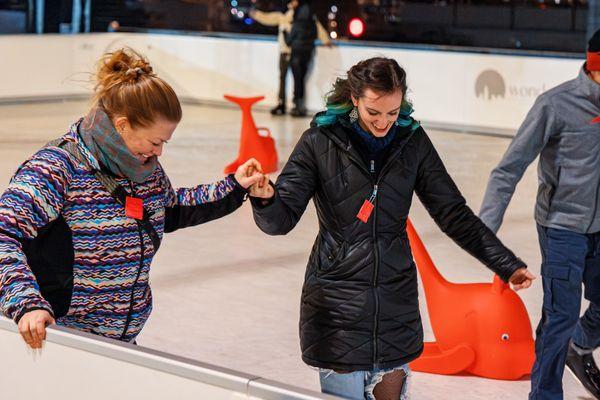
(251,177)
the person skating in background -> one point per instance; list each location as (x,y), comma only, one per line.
(301,39)
(283,20)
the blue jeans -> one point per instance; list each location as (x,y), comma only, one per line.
(359,385)
(568,260)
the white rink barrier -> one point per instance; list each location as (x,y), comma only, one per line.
(75,365)
(474,90)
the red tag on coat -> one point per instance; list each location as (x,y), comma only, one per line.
(134,207)
(365,211)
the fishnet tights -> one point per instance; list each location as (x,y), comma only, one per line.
(391,386)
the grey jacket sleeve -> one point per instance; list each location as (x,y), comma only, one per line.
(539,125)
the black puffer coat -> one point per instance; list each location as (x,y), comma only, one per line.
(360,305)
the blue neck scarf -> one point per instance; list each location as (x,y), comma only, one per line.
(375,145)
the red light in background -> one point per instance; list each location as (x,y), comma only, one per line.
(356,27)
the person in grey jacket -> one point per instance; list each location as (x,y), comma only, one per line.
(563,128)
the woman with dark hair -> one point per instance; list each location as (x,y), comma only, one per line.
(360,162)
(82,219)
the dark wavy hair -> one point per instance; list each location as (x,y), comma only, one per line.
(380,74)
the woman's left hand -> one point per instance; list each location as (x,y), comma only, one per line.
(249,173)
(521,279)
(262,189)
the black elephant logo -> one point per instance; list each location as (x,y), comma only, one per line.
(490,84)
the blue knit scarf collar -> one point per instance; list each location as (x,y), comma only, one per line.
(374,144)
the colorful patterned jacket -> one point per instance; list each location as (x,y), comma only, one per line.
(66,245)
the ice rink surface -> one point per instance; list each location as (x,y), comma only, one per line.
(227,294)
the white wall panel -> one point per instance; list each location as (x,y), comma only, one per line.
(442,83)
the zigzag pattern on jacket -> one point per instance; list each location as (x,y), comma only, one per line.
(107,245)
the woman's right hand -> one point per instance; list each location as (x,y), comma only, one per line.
(521,279)
(262,189)
(32,326)
(249,173)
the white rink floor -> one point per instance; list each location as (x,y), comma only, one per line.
(227,294)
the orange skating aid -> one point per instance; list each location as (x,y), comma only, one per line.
(480,328)
(252,144)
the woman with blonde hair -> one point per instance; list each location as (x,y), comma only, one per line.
(83,217)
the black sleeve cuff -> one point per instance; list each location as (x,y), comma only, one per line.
(26,310)
(259,202)
(508,272)
(237,184)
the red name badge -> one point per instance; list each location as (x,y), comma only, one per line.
(365,211)
(134,207)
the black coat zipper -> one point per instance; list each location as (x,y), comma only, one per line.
(375,278)
(139,272)
(390,160)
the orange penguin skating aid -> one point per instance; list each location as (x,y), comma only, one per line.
(252,144)
(480,328)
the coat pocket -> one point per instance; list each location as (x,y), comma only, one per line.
(330,255)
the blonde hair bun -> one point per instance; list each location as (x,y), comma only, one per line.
(125,84)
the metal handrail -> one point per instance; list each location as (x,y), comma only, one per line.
(249,384)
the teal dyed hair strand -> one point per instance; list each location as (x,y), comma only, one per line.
(335,111)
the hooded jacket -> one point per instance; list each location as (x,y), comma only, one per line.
(359,307)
